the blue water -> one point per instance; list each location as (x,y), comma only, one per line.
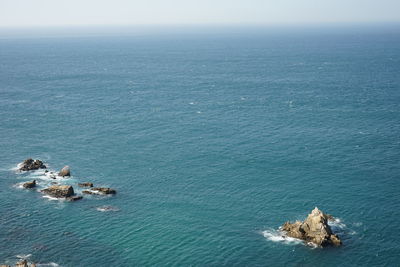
(212,141)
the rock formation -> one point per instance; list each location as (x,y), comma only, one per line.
(100,191)
(30,164)
(65,171)
(85,184)
(29,184)
(22,263)
(314,229)
(59,191)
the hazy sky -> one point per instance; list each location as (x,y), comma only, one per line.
(126,12)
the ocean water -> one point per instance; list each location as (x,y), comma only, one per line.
(212,139)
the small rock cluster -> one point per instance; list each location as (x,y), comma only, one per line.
(61,191)
(314,229)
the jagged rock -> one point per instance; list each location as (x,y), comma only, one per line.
(23,263)
(314,229)
(100,191)
(85,184)
(65,172)
(74,198)
(30,164)
(29,184)
(59,191)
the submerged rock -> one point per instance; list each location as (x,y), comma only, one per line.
(59,191)
(29,184)
(314,229)
(65,171)
(107,208)
(74,198)
(85,184)
(100,191)
(30,164)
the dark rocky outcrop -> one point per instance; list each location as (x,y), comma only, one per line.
(30,164)
(59,191)
(31,184)
(65,171)
(85,184)
(314,229)
(100,191)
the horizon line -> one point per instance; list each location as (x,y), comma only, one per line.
(169,25)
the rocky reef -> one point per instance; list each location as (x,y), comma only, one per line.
(314,229)
(56,188)
(30,164)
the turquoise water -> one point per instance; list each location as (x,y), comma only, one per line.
(212,141)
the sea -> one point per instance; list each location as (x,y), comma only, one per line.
(213,137)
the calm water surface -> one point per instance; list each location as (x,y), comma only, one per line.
(212,141)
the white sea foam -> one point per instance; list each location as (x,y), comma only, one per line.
(107,208)
(337,223)
(50,264)
(16,168)
(19,185)
(52,198)
(22,256)
(278,236)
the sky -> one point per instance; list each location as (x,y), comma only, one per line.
(31,13)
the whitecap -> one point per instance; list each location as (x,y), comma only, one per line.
(50,264)
(107,208)
(19,185)
(22,256)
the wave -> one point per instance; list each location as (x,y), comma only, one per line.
(279,236)
(53,198)
(336,223)
(50,264)
(23,257)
